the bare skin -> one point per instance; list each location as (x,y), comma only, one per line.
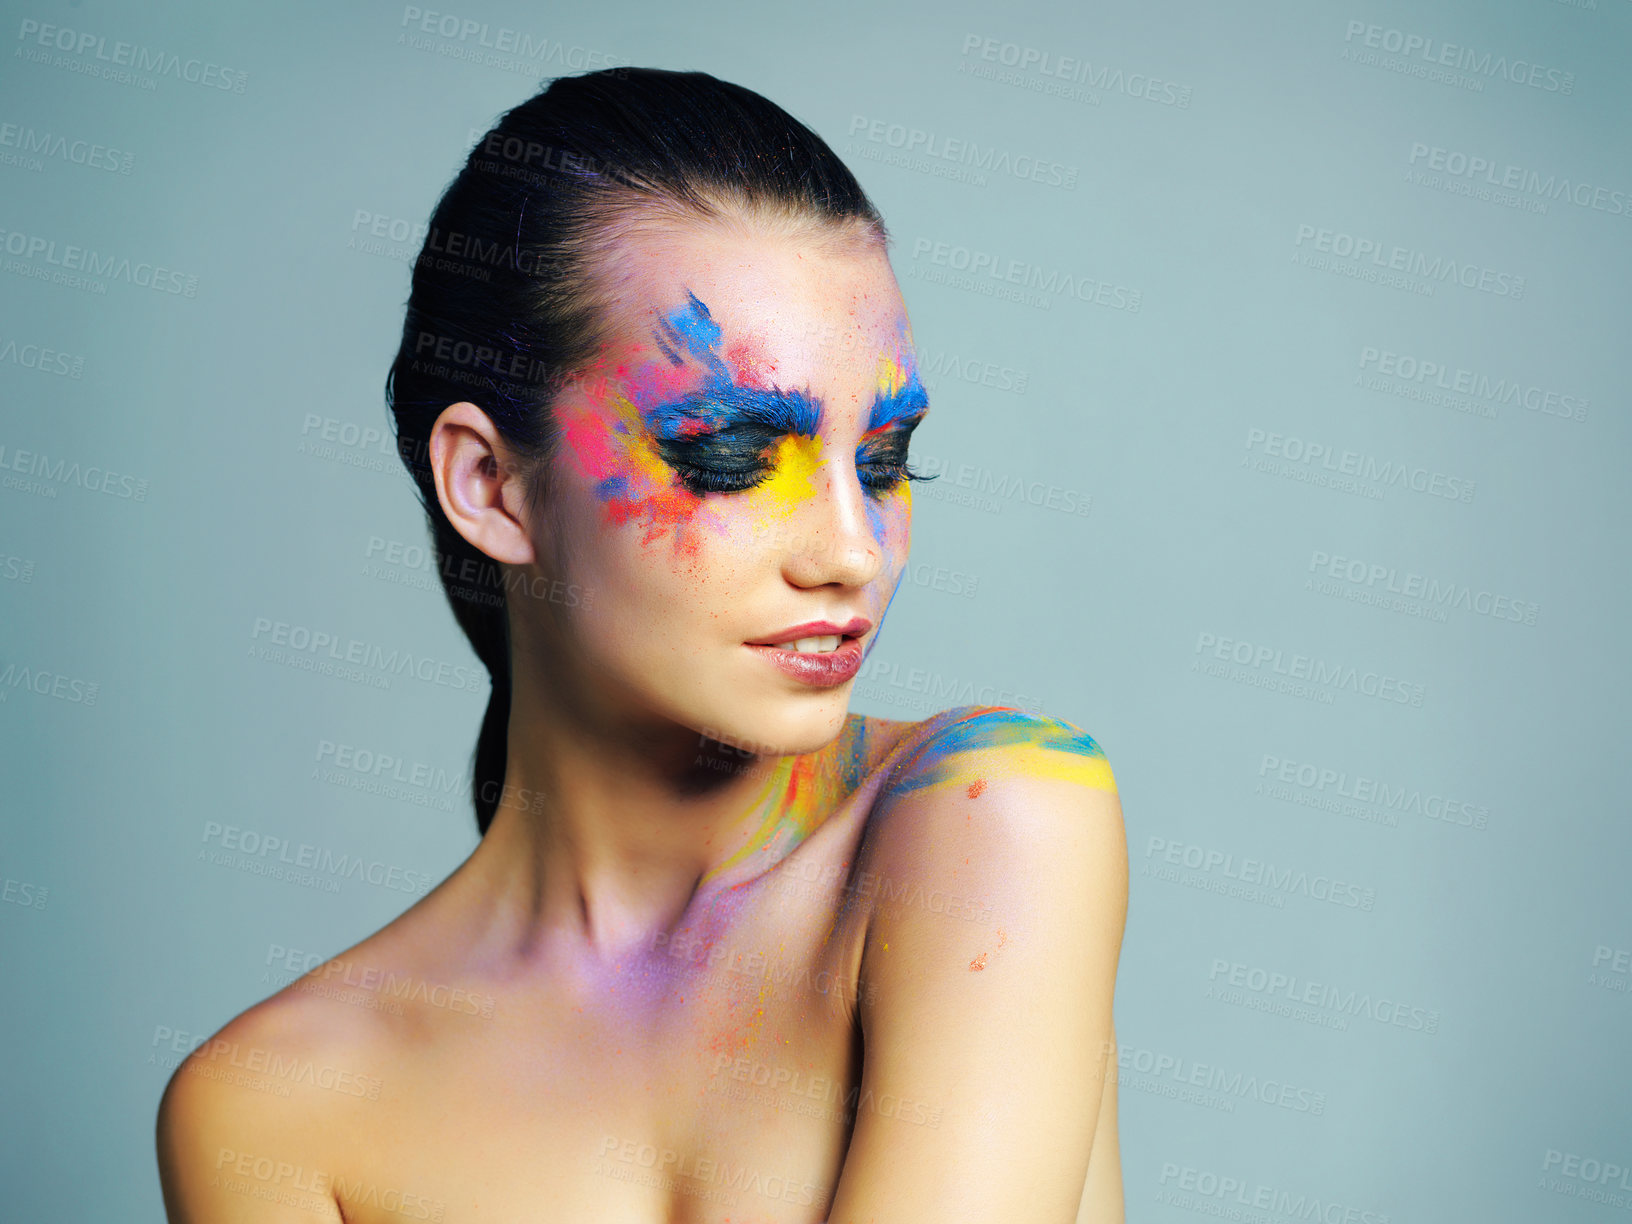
(860,971)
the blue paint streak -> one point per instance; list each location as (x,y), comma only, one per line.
(720,406)
(693,329)
(992,729)
(909,399)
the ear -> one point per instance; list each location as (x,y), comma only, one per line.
(481,486)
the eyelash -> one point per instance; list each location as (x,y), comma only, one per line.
(703,480)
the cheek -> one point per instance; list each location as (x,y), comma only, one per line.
(891,519)
(609,449)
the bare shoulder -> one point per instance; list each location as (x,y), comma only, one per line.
(1005,754)
(996,861)
(981,800)
(254,1118)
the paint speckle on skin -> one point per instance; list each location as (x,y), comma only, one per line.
(975,787)
(1036,744)
(1001,937)
(979,963)
(749,364)
(800,792)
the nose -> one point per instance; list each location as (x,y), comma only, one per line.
(833,539)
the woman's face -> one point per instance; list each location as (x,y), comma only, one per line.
(730,471)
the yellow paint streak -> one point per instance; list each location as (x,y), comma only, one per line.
(1091,771)
(797,461)
(892,374)
(637,443)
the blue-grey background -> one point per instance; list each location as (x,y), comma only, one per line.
(184,463)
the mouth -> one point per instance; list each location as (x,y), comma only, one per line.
(819,653)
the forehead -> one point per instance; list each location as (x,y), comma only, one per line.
(791,310)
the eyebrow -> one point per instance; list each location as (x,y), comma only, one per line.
(907,403)
(721,407)
(786,412)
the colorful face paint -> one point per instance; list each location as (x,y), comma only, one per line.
(718,438)
(665,434)
(802,792)
(1047,748)
(899,404)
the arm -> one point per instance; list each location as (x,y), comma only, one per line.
(1002,1026)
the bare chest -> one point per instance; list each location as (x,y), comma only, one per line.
(714,1078)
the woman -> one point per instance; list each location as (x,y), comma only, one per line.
(725,951)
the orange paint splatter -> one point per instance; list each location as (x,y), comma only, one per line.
(979,963)
(1001,937)
(975,787)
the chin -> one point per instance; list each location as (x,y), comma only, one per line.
(782,726)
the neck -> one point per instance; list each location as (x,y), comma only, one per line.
(607,839)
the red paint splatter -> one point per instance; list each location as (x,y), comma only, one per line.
(975,787)
(749,365)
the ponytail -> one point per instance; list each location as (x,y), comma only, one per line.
(492,745)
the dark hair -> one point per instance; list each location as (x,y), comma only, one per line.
(514,285)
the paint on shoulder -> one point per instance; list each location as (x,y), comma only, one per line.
(1034,744)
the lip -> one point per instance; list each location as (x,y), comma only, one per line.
(854,628)
(827,670)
